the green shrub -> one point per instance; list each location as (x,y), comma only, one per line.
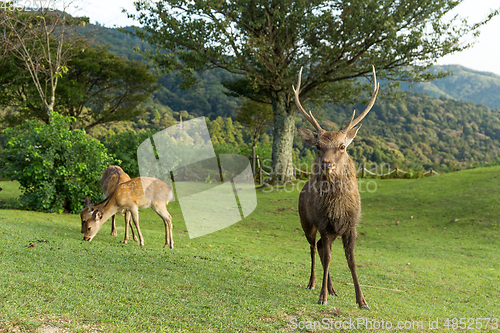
(124,147)
(55,166)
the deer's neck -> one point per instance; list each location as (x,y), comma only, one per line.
(108,210)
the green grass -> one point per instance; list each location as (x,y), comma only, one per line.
(251,276)
(10,191)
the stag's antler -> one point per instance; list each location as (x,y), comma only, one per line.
(352,123)
(306,115)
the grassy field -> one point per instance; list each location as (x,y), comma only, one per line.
(251,276)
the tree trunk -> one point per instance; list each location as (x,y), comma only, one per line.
(284,126)
(253,159)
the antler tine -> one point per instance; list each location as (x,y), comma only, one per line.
(349,123)
(306,115)
(376,87)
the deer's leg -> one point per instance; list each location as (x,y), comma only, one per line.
(135,217)
(312,278)
(331,291)
(113,226)
(171,231)
(349,240)
(310,231)
(128,222)
(168,225)
(326,255)
(161,209)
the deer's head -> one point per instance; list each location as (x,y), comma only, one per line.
(331,145)
(91,220)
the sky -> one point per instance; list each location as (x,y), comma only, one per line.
(483,56)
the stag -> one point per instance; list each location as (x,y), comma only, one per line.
(330,201)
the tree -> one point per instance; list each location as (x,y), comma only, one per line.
(268,41)
(102,87)
(257,117)
(98,87)
(39,40)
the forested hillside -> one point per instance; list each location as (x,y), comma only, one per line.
(416,132)
(442,133)
(207,99)
(465,84)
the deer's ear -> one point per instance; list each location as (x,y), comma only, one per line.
(308,136)
(97,215)
(89,204)
(351,135)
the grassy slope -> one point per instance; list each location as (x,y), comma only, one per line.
(250,276)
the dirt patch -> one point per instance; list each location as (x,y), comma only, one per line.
(51,329)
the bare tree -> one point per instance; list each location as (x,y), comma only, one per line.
(40,38)
(330,201)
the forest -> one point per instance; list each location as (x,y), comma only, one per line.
(411,131)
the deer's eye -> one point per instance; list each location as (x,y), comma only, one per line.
(342,147)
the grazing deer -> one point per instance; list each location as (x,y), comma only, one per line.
(330,201)
(141,192)
(111,177)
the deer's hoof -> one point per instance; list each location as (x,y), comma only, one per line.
(310,288)
(114,233)
(322,302)
(365,307)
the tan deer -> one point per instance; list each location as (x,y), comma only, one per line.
(141,192)
(111,177)
(330,201)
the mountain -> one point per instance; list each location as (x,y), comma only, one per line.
(464,84)
(422,131)
(450,123)
(209,98)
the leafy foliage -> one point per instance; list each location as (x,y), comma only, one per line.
(267,42)
(226,135)
(208,99)
(40,43)
(102,87)
(124,147)
(257,117)
(55,167)
(98,87)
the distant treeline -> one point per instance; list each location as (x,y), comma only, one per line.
(419,132)
(416,132)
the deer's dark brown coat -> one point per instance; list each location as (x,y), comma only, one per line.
(329,202)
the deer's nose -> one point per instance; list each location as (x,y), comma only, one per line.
(327,165)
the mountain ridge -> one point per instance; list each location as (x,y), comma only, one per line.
(464,84)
